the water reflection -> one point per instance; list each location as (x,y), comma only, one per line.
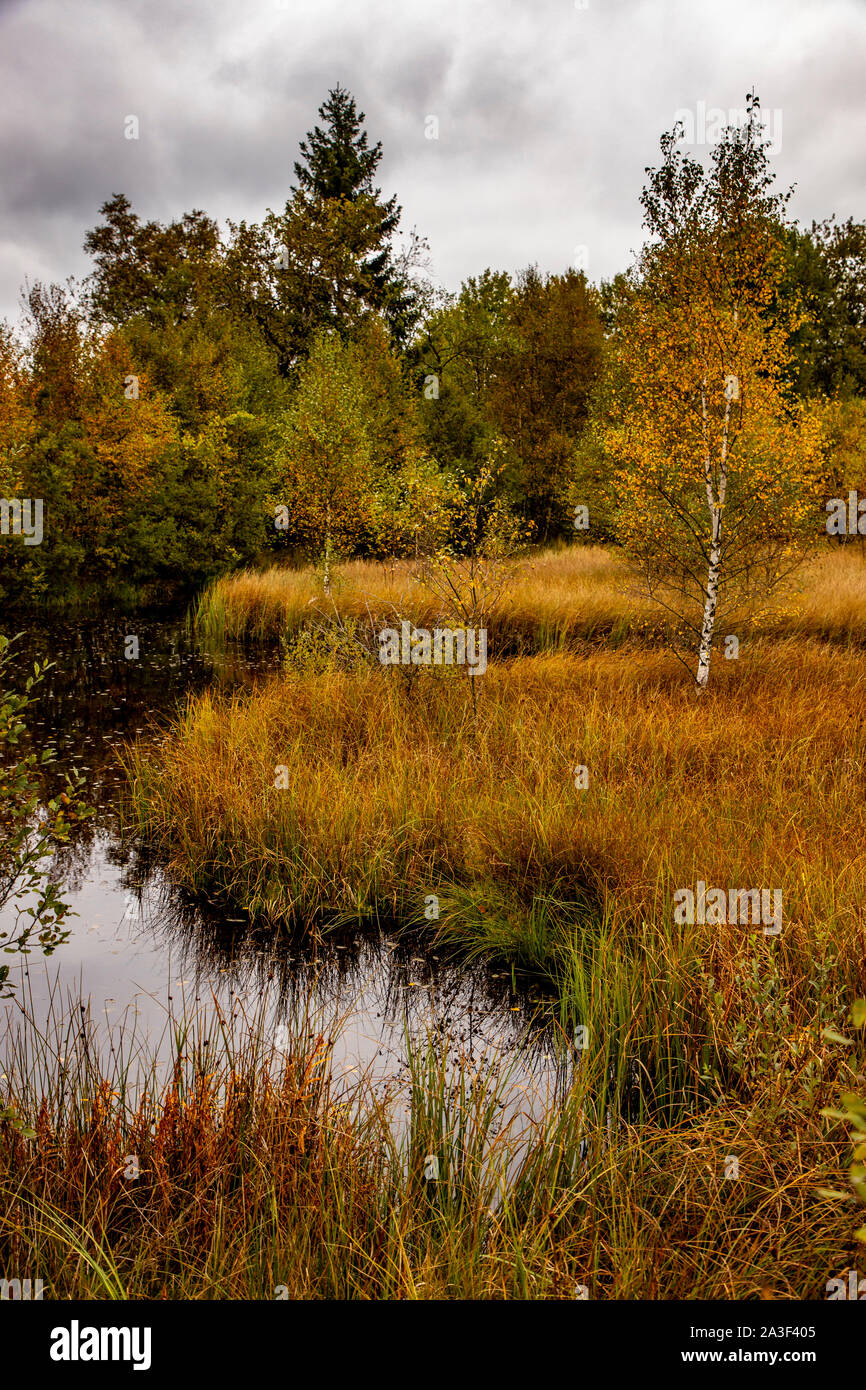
(141,953)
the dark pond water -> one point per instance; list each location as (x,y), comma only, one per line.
(141,955)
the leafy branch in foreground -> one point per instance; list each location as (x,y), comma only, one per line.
(853,1113)
(30,829)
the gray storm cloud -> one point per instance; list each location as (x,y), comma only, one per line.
(547,114)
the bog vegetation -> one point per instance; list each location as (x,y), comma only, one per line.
(290,422)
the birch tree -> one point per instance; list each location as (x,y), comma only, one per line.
(328,473)
(716,465)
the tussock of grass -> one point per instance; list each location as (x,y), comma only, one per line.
(395,789)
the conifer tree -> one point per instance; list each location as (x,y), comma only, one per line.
(338,167)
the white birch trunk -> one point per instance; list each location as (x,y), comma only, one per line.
(710,604)
(714,571)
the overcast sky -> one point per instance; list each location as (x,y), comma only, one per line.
(547,113)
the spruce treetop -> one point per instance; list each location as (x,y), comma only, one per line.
(339,161)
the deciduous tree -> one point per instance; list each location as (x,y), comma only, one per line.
(717,465)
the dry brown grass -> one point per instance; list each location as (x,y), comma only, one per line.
(257,1181)
(556,598)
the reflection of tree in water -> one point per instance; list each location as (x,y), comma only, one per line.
(94,700)
(391,986)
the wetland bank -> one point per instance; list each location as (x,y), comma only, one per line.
(582,1065)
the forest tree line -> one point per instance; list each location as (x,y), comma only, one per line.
(205,399)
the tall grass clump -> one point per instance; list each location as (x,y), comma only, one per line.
(232,1170)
